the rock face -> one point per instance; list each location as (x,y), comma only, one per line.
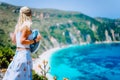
(59,27)
(113,35)
(54,42)
(41,16)
(94,28)
(88,38)
(108,38)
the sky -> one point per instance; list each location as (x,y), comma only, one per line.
(93,8)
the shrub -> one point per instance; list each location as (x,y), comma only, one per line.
(35,76)
(5,56)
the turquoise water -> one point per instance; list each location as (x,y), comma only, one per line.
(87,62)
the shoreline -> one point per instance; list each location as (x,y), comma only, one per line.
(39,61)
(47,54)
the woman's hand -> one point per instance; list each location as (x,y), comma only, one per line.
(38,38)
(24,36)
(12,36)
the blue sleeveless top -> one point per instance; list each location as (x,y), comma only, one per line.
(18,43)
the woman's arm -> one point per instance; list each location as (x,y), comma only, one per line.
(13,38)
(24,36)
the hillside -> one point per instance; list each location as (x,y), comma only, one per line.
(60,28)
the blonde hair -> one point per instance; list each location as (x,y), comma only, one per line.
(24,16)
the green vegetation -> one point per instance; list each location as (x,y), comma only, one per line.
(62,26)
(6,55)
(37,77)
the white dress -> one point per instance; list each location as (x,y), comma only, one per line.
(21,66)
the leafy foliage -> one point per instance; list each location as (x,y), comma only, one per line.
(37,77)
(6,54)
(59,25)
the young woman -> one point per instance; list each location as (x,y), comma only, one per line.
(21,66)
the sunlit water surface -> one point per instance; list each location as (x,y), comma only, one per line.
(87,62)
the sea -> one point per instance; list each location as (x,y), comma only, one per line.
(87,62)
